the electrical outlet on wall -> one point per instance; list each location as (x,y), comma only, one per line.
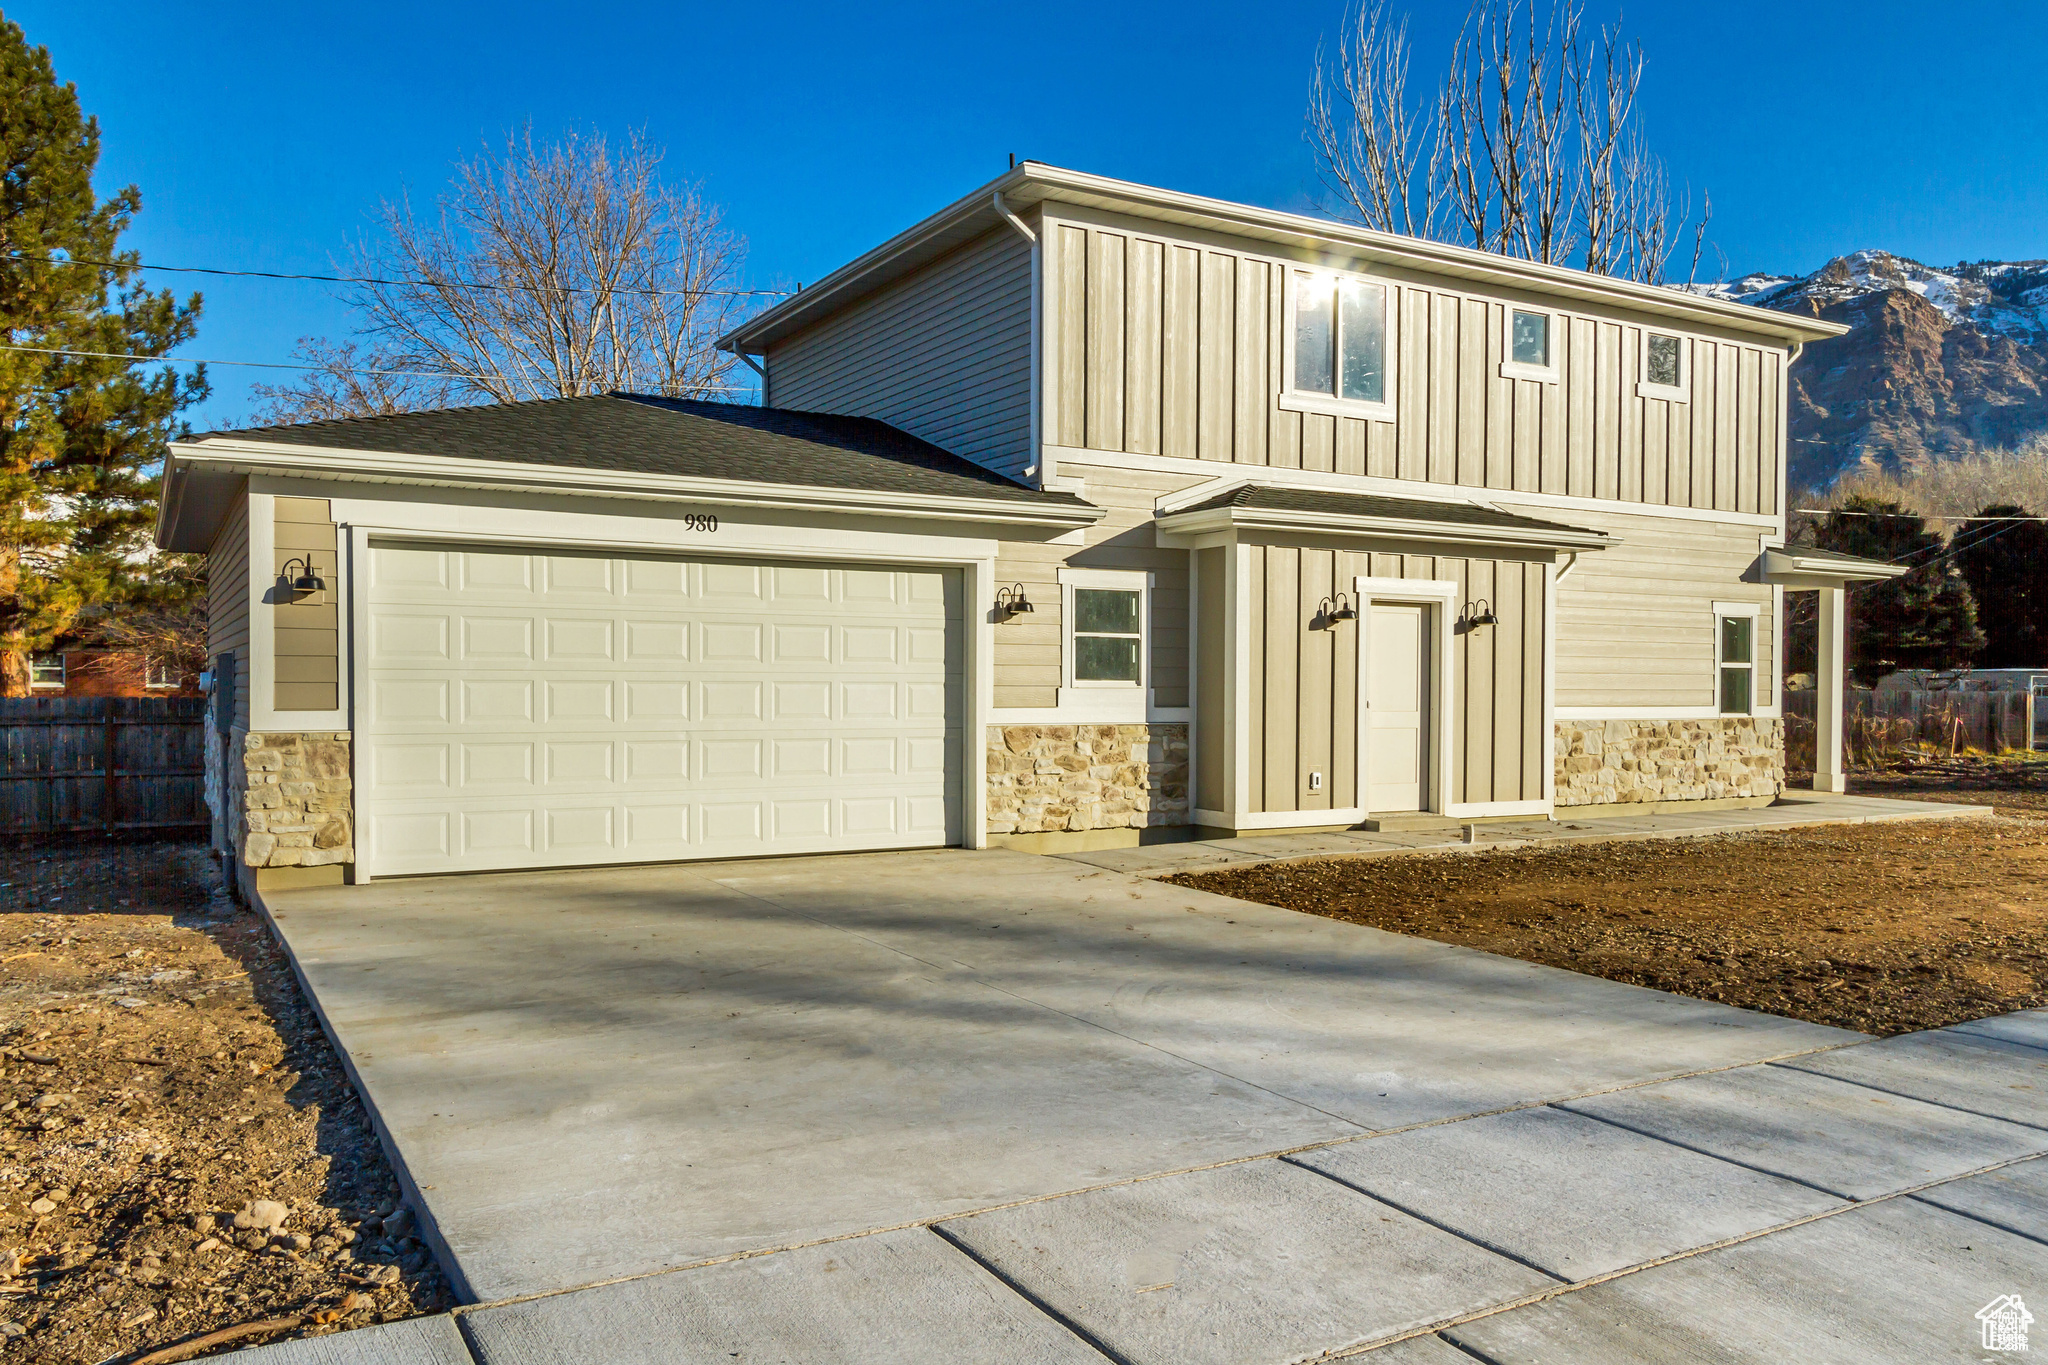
(1315,782)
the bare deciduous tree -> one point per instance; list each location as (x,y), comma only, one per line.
(547,270)
(1531,147)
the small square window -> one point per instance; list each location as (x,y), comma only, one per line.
(1108,635)
(1529,342)
(1340,337)
(1662,368)
(46,670)
(161,673)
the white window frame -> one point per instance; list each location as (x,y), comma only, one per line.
(1292,400)
(1116,580)
(150,666)
(1758,702)
(1509,368)
(1681,392)
(63,670)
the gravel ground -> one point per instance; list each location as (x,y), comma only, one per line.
(183,1166)
(1885,928)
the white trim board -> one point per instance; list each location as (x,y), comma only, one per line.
(1277,819)
(1660,713)
(1074,460)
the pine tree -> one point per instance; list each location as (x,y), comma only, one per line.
(2005,562)
(80,438)
(1927,619)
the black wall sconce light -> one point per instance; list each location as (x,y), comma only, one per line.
(1477,614)
(306,580)
(1331,610)
(1011,601)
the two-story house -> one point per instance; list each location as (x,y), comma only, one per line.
(1079,513)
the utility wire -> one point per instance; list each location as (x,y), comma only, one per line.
(414,284)
(324,369)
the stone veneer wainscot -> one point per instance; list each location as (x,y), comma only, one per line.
(1060,778)
(1714,759)
(294,804)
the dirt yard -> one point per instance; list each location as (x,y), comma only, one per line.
(1883,928)
(183,1168)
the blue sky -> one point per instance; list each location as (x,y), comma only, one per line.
(264,136)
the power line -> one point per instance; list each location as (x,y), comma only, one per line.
(415,284)
(1929,516)
(324,369)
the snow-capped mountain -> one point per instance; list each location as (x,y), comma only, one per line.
(1940,362)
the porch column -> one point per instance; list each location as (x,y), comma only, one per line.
(1829,774)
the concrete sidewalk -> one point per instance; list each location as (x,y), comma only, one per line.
(1792,811)
(1859,1204)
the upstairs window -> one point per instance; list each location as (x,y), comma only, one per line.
(46,670)
(1530,346)
(161,673)
(1737,663)
(1666,367)
(1340,338)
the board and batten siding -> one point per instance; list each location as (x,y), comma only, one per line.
(1028,649)
(227,600)
(1304,681)
(1169,347)
(1635,622)
(944,354)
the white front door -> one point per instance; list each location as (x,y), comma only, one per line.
(1397,706)
(534,709)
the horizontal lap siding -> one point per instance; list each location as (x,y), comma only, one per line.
(1028,659)
(945,354)
(1167,347)
(1305,680)
(1635,623)
(227,600)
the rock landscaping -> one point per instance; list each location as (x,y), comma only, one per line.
(1054,778)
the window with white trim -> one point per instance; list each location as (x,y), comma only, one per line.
(1107,614)
(1735,661)
(46,670)
(160,673)
(1529,343)
(1338,347)
(1666,366)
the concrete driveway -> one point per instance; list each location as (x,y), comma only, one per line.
(601,1074)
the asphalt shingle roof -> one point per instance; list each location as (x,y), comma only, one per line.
(1323,502)
(644,434)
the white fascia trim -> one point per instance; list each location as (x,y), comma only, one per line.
(1660,713)
(1807,569)
(1395,528)
(384,467)
(1032,183)
(1344,816)
(1090,710)
(1220,477)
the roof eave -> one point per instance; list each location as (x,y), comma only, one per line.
(260,457)
(1789,568)
(1386,528)
(1032,183)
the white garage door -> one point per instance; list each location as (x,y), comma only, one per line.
(552,710)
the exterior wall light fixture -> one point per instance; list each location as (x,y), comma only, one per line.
(306,580)
(1479,613)
(1331,610)
(1011,601)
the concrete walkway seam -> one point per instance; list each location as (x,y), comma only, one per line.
(1786,1064)
(1848,1206)
(1081,1333)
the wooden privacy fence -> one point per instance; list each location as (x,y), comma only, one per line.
(102,765)
(1875,724)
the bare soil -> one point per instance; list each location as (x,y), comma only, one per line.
(160,1074)
(1884,928)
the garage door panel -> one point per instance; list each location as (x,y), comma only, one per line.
(610,708)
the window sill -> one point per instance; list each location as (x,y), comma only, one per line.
(1670,393)
(1539,374)
(1336,407)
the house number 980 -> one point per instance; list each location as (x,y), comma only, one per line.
(700,521)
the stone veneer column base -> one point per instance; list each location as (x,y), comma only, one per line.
(1736,760)
(1066,779)
(291,806)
